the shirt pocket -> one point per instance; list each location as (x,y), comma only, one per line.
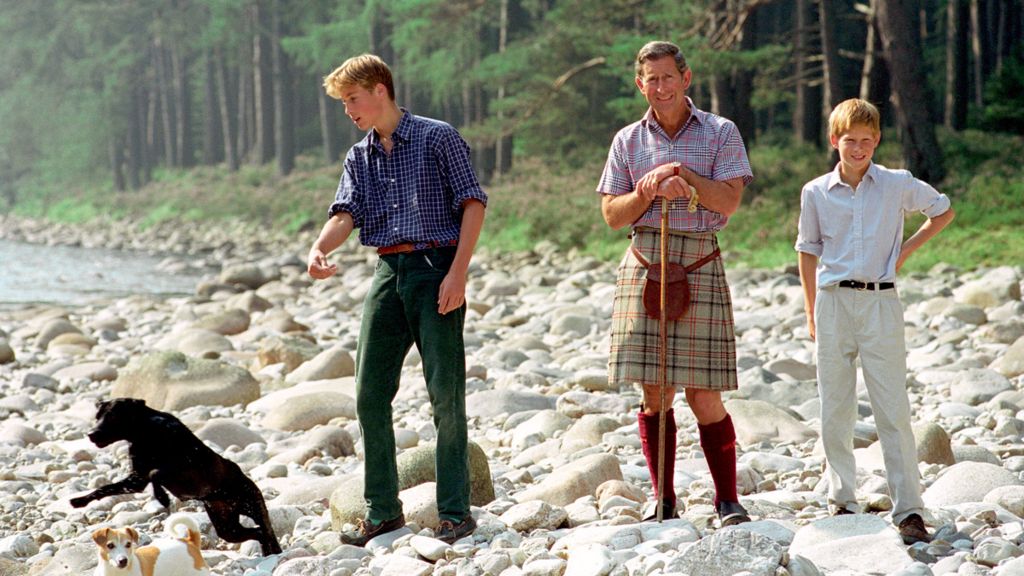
(836,219)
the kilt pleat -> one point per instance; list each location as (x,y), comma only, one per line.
(701,345)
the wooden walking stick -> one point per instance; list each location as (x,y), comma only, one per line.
(662,358)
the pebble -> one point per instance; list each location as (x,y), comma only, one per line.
(259,363)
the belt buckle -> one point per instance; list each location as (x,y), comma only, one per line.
(863,286)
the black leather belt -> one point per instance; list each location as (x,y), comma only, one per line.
(866,285)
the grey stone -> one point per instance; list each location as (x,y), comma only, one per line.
(171,381)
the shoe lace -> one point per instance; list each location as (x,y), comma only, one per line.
(446,526)
(363,526)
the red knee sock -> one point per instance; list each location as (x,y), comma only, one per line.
(718,441)
(649,445)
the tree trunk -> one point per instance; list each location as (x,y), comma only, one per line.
(226,114)
(263,92)
(246,115)
(328,126)
(957,14)
(116,149)
(185,152)
(874,85)
(166,104)
(909,95)
(743,84)
(807,109)
(135,159)
(977,49)
(499,144)
(284,134)
(212,147)
(833,92)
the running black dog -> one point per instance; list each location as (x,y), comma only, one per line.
(164,452)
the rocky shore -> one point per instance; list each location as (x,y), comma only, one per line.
(259,363)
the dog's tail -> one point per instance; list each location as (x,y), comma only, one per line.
(182,527)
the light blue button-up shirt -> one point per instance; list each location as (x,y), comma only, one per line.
(857,233)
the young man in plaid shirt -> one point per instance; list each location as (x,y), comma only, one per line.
(410,189)
(657,159)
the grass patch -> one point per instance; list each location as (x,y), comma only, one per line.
(538,201)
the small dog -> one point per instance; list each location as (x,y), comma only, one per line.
(176,555)
(164,452)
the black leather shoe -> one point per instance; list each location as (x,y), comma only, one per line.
(367,530)
(449,531)
(842,511)
(731,513)
(669,512)
(912,530)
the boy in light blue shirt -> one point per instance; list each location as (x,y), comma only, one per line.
(851,247)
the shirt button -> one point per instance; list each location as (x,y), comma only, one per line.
(396,228)
(395,206)
(392,179)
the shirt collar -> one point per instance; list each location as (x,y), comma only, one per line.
(402,133)
(835,179)
(696,115)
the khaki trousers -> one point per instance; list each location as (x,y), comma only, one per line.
(868,324)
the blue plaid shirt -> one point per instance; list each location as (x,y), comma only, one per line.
(416,193)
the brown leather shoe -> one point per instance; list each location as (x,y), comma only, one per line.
(449,531)
(912,530)
(367,530)
(732,513)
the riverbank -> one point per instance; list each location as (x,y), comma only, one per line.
(258,361)
(543,201)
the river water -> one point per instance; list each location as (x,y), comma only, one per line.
(33,273)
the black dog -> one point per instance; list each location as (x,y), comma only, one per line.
(164,452)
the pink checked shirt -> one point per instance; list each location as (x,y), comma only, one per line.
(708,144)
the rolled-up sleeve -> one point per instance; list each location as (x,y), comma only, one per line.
(920,196)
(808,238)
(453,159)
(616,179)
(345,199)
(731,160)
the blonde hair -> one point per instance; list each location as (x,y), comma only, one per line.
(366,70)
(853,112)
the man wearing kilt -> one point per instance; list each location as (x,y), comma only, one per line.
(674,147)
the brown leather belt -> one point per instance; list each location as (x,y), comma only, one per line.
(405,247)
(396,249)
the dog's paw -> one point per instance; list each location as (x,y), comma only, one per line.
(79,502)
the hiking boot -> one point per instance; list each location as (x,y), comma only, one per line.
(367,530)
(912,530)
(449,531)
(731,513)
(669,512)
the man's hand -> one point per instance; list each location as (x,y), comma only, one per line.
(452,293)
(674,187)
(318,266)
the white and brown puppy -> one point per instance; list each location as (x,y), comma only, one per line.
(176,555)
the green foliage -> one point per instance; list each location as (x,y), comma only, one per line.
(1004,112)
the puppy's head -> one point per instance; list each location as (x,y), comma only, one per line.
(117,546)
(115,420)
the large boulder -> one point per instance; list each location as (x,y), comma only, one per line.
(574,480)
(967,482)
(415,467)
(756,421)
(335,362)
(172,381)
(228,322)
(289,350)
(851,544)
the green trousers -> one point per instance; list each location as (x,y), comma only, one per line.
(401,310)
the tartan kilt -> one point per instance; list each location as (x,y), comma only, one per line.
(701,345)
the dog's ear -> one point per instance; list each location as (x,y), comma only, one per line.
(100,536)
(133,534)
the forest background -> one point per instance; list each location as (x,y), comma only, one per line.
(140,111)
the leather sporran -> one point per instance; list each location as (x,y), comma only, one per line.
(677,289)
